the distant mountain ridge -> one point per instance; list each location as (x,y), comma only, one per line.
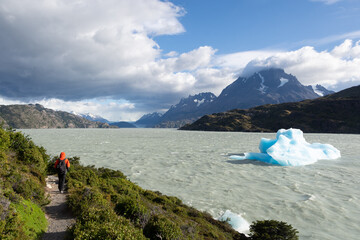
(97,118)
(149,120)
(321,91)
(36,116)
(268,86)
(92,117)
(335,113)
(187,110)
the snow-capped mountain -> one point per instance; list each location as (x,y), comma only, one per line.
(269,86)
(92,117)
(320,90)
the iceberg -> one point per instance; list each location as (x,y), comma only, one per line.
(237,222)
(290,149)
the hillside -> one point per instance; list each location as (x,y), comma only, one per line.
(335,113)
(36,116)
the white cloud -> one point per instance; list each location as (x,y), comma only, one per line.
(83,49)
(334,69)
(80,50)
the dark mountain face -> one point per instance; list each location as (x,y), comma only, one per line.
(191,107)
(265,87)
(149,120)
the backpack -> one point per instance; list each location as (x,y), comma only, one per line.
(61,167)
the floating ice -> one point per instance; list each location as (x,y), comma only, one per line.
(236,221)
(290,149)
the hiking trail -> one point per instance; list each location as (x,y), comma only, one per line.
(57,212)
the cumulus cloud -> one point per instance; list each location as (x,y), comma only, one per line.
(334,69)
(101,57)
(84,49)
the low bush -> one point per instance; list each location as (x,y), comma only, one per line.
(272,229)
(133,209)
(160,227)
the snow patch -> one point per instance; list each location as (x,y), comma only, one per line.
(317,91)
(199,102)
(283,81)
(262,88)
(291,149)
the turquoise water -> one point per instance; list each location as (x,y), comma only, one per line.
(321,200)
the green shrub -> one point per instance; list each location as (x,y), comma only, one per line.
(134,210)
(11,226)
(4,140)
(97,220)
(33,218)
(84,175)
(272,229)
(159,227)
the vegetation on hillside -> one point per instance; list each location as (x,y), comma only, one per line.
(106,204)
(22,182)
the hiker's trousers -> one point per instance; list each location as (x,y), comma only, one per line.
(61,181)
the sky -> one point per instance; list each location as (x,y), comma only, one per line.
(121,59)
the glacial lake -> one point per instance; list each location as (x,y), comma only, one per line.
(322,200)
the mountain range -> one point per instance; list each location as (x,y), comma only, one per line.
(97,118)
(270,86)
(36,116)
(335,113)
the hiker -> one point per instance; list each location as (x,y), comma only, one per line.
(62,165)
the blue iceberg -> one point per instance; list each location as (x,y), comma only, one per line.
(236,221)
(290,149)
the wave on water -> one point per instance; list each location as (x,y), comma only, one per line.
(236,221)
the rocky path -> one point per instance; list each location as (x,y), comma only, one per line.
(57,213)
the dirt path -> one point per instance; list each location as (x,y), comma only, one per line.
(57,213)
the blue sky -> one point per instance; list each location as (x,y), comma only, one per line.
(242,25)
(124,58)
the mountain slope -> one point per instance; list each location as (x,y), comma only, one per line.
(36,116)
(187,110)
(336,113)
(269,86)
(149,120)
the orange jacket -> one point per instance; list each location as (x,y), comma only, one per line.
(62,158)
